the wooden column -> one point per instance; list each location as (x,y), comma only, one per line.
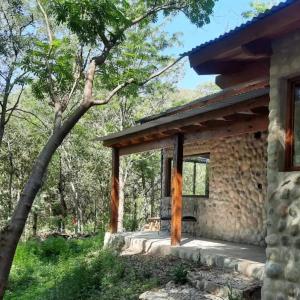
(114,190)
(177,191)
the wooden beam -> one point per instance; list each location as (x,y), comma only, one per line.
(147,146)
(202,114)
(236,124)
(274,25)
(253,124)
(176,215)
(220,67)
(252,71)
(114,190)
(261,47)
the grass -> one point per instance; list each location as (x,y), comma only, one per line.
(73,269)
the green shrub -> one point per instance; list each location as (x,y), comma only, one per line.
(179,274)
(73,269)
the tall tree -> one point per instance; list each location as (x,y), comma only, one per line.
(106,26)
(15,39)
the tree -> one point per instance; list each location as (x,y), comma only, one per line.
(106,26)
(258,7)
(14,40)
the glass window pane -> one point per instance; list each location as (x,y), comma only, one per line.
(201,179)
(188,171)
(296,157)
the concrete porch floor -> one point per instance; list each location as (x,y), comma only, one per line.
(245,259)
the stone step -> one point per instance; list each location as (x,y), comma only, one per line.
(224,284)
(171,291)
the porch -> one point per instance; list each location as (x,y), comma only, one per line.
(245,259)
(228,128)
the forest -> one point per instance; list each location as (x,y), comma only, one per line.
(71,72)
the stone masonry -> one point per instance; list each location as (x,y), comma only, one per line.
(235,209)
(282,279)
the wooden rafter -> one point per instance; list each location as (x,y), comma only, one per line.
(173,124)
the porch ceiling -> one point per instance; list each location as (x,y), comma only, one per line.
(237,114)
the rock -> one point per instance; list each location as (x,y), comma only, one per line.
(272,240)
(184,292)
(154,295)
(292,271)
(115,241)
(281,225)
(273,270)
(297,243)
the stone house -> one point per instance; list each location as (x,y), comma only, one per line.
(234,156)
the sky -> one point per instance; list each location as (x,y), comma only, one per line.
(226,16)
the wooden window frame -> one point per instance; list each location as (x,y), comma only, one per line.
(289,130)
(168,174)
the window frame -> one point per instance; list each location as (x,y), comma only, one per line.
(169,181)
(290,125)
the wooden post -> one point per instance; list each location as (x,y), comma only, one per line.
(115,190)
(177,191)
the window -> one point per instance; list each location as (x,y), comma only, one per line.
(195,176)
(293,126)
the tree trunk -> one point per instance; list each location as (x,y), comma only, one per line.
(4,103)
(64,209)
(10,183)
(34,224)
(10,235)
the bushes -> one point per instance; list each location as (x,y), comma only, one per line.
(80,269)
(179,274)
(43,269)
(73,269)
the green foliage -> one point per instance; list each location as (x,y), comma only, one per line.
(179,274)
(93,20)
(257,7)
(75,269)
(90,20)
(57,59)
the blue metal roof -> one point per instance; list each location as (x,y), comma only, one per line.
(259,17)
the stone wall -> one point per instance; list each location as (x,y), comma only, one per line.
(282,279)
(235,209)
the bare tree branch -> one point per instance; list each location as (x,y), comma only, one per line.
(113,92)
(50,37)
(16,80)
(155,9)
(161,71)
(12,109)
(27,120)
(133,81)
(32,114)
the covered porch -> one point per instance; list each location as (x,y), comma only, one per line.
(230,113)
(246,259)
